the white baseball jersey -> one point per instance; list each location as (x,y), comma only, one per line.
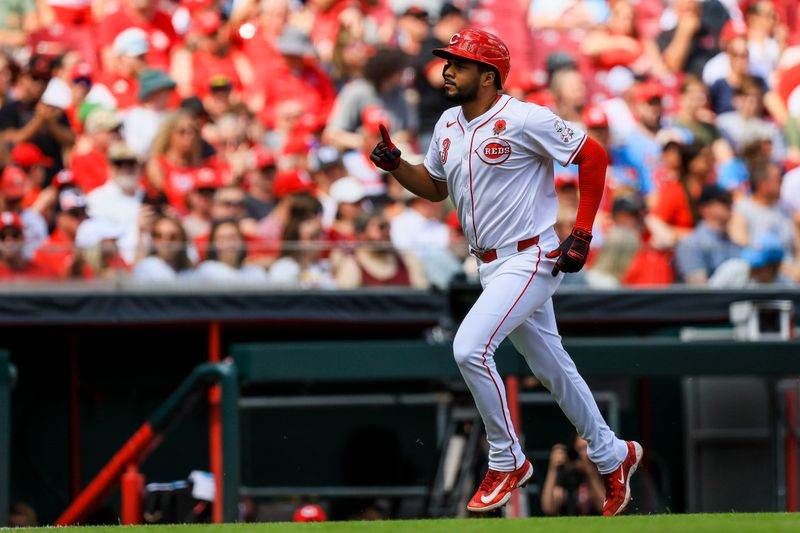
(499,169)
(499,173)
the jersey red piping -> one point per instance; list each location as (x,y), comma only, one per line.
(472,140)
(486,350)
(576,150)
(459,122)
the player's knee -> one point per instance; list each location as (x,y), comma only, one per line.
(463,349)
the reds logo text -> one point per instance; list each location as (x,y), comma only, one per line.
(494,151)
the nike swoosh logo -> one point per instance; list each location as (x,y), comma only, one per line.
(451,123)
(622,476)
(495,492)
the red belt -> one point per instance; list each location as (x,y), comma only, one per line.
(490,255)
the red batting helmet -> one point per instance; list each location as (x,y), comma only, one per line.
(480,46)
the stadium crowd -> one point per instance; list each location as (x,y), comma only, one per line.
(227,141)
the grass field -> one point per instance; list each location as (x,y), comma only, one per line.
(704,523)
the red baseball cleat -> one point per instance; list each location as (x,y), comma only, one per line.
(497,487)
(618,482)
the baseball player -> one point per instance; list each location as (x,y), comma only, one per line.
(493,155)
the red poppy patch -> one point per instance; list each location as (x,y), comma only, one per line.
(499,127)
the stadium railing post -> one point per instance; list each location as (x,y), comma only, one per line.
(7,377)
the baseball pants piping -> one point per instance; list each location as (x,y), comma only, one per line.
(516,302)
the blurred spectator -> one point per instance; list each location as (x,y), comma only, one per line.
(144,14)
(348,193)
(719,66)
(762,213)
(745,124)
(428,79)
(374,262)
(567,14)
(218,99)
(766,37)
(573,485)
(206,57)
(17,21)
(165,248)
(326,166)
(30,159)
(690,35)
(618,43)
(176,158)
(292,192)
(357,161)
(301,262)
(57,255)
(412,30)
(142,123)
(259,200)
(227,251)
(621,243)
(31,119)
(8,74)
(297,76)
(14,186)
(640,150)
(13,262)
(693,113)
(119,200)
(419,229)
(699,254)
(675,211)
(120,80)
(96,249)
(200,201)
(382,87)
(760,264)
(89,160)
(790,199)
(233,151)
(723,90)
(569,92)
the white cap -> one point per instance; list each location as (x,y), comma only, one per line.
(57,94)
(131,42)
(347,190)
(93,231)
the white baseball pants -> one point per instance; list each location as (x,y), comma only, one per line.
(516,302)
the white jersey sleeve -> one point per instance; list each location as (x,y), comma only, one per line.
(433,158)
(550,136)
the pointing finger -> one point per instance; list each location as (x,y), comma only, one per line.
(385,134)
(556,269)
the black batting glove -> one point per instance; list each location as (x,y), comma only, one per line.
(385,155)
(572,252)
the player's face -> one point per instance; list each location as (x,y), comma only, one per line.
(461,80)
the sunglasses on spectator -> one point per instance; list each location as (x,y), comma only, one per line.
(232,203)
(206,191)
(78,212)
(166,236)
(40,78)
(13,233)
(129,164)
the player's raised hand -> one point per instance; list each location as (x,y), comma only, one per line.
(385,155)
(572,252)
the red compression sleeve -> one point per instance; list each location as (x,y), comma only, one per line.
(592,162)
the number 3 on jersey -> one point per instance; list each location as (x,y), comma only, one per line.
(445,148)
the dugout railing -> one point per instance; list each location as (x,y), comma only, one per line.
(7,378)
(205,377)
